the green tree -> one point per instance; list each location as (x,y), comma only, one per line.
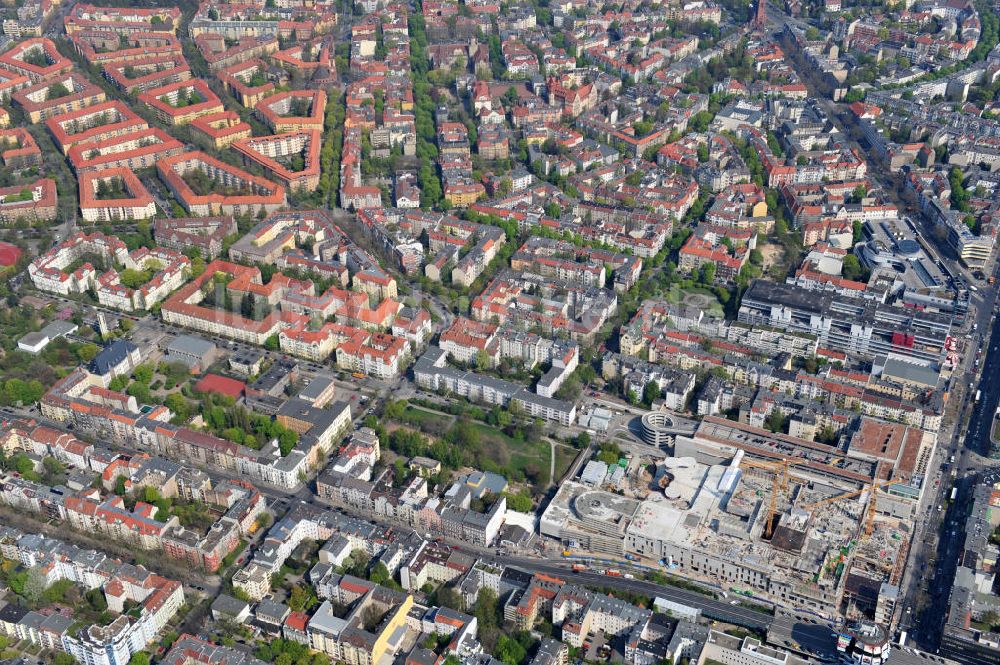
(58,591)
(959,195)
(466,433)
(15,581)
(394,409)
(87,352)
(642,128)
(57,90)
(24,466)
(286,441)
(776,421)
(25,392)
(380,574)
(650,393)
(150,494)
(143,374)
(53,467)
(852,268)
(447,596)
(609,453)
(301,598)
(95,598)
(486,607)
(509,651)
(510,97)
(179,405)
(520,502)
(773,144)
(34,586)
(706,274)
(827,435)
(141,393)
(133,279)
(359,563)
(139,658)
(854,95)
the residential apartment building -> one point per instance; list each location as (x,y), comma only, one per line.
(855,326)
(45,99)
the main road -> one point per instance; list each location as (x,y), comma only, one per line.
(970,461)
(961,450)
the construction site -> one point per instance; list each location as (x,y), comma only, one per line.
(771,529)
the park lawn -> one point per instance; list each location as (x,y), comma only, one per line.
(713,309)
(417,416)
(522,453)
(699,297)
(519,454)
(675,295)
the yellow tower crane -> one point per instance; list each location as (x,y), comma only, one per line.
(779,471)
(869,520)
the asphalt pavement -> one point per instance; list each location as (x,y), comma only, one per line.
(969,450)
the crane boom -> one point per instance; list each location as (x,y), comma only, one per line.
(848,495)
(779,471)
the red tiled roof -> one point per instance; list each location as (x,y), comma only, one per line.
(297,621)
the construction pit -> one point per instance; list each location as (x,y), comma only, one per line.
(766,529)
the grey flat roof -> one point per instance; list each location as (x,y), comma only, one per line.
(325,621)
(33,338)
(190,344)
(225,604)
(58,329)
(911,371)
(270,608)
(320,418)
(315,387)
(247,356)
(545,402)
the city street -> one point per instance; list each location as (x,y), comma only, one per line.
(969,465)
(964,440)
